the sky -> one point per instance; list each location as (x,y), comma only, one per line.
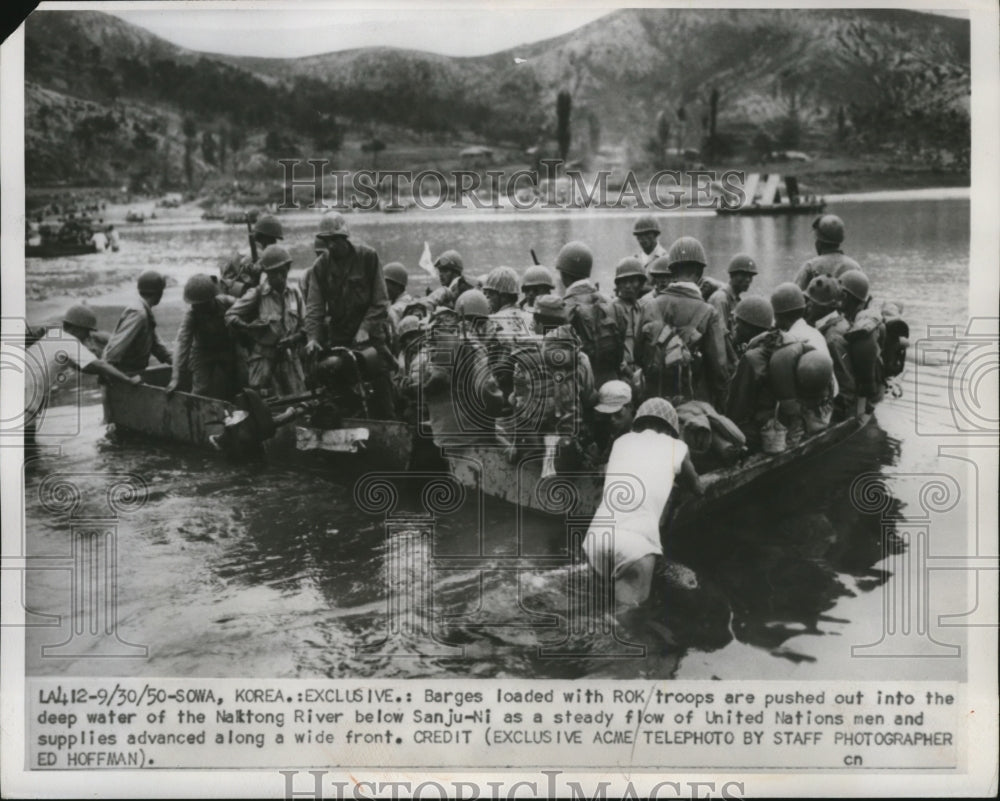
(450,27)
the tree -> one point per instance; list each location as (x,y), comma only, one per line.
(663,134)
(564,105)
(208,148)
(595,130)
(190,132)
(223,140)
(713,113)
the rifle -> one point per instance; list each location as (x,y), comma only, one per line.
(534,258)
(253,242)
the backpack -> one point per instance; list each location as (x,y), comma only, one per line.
(897,338)
(594,321)
(670,360)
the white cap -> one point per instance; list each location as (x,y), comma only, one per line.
(612,396)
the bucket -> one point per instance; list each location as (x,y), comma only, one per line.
(772,435)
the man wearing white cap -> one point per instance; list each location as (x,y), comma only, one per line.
(623,540)
(613,417)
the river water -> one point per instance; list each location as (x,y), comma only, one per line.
(258,570)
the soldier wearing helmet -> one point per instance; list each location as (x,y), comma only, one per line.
(866,336)
(241,272)
(450,269)
(742,269)
(822,313)
(829,259)
(660,276)
(702,369)
(205,355)
(630,280)
(270,317)
(590,311)
(647,233)
(652,457)
(750,402)
(537,281)
(350,306)
(500,289)
(135,339)
(47,359)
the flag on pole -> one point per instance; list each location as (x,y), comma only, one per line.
(426,262)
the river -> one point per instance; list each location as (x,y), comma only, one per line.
(254,570)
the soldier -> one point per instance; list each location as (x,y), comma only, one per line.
(865,338)
(589,311)
(613,416)
(682,346)
(135,339)
(659,276)
(241,273)
(629,282)
(350,294)
(50,356)
(822,300)
(396,279)
(830,259)
(500,289)
(449,266)
(205,355)
(537,281)
(647,233)
(741,272)
(271,317)
(750,402)
(474,309)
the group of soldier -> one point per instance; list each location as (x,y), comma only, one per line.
(509,347)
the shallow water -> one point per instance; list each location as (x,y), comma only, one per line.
(250,569)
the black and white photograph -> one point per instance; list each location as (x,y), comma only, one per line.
(537,367)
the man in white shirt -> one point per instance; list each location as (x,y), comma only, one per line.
(49,357)
(623,541)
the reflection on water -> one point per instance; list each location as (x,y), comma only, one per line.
(235,569)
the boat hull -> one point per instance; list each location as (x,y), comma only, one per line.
(577,495)
(147,409)
(773,210)
(57,249)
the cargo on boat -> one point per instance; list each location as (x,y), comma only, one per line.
(762,196)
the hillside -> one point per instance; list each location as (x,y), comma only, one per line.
(108,101)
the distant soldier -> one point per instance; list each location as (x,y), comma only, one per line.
(49,356)
(682,346)
(271,317)
(241,273)
(351,296)
(589,311)
(647,233)
(629,282)
(537,281)
(135,339)
(830,259)
(205,357)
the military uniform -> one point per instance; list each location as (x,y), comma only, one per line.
(135,339)
(273,316)
(594,320)
(238,275)
(832,264)
(833,327)
(750,402)
(205,352)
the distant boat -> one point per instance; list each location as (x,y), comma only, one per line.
(766,198)
(135,217)
(54,249)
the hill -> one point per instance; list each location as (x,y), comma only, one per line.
(108,101)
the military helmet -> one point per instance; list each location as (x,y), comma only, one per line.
(550,307)
(660,266)
(829,228)
(645,224)
(151,282)
(756,311)
(787,297)
(629,267)
(472,303)
(82,316)
(502,280)
(409,325)
(742,264)
(813,373)
(200,289)
(333,224)
(575,259)
(686,250)
(661,409)
(268,225)
(274,257)
(450,260)
(856,284)
(823,291)
(537,275)
(394,271)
